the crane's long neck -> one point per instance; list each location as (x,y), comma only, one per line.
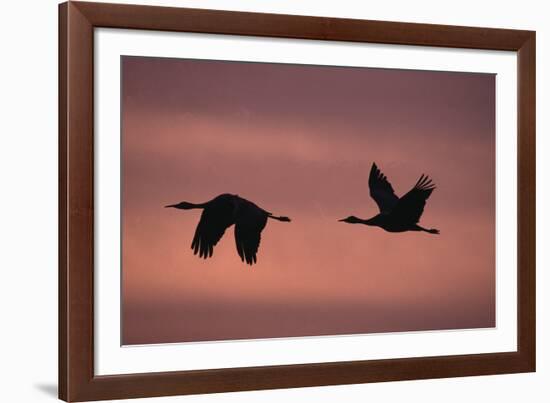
(370,221)
(357,220)
(190,206)
(187,205)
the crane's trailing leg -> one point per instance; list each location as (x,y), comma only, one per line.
(431,230)
(278,218)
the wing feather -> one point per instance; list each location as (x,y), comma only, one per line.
(215,219)
(381,190)
(410,207)
(250,222)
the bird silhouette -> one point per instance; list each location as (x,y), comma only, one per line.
(396,214)
(219,214)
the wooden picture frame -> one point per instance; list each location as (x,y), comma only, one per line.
(77,381)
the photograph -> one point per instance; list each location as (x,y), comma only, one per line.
(269,200)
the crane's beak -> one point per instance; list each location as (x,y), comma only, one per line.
(342,220)
(170,205)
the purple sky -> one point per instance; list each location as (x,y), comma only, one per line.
(299,141)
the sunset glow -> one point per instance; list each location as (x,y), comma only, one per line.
(299,141)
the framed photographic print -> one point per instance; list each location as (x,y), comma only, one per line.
(255,201)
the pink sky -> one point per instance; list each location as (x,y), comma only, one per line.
(299,141)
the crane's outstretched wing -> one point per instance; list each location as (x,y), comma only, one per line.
(381,190)
(250,222)
(411,206)
(215,219)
